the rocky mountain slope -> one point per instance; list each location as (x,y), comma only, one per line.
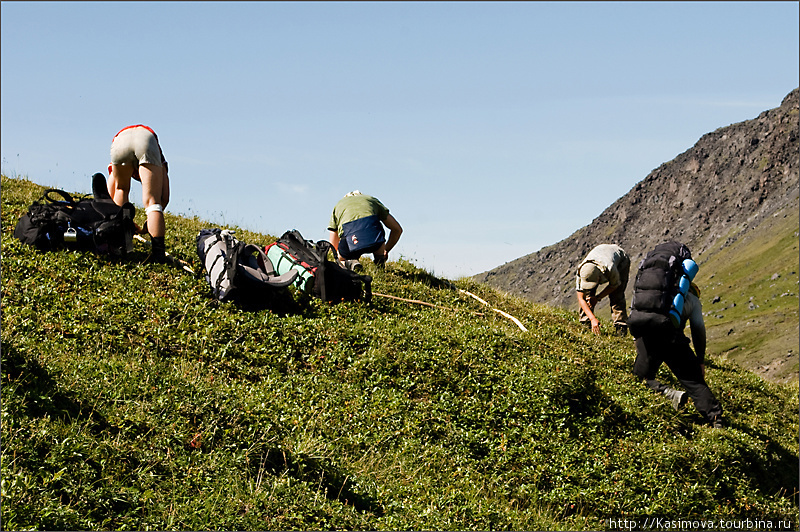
(723,189)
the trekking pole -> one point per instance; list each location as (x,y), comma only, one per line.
(174,260)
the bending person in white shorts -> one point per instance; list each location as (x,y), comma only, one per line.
(136,153)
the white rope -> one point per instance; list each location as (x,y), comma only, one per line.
(507,315)
(418,302)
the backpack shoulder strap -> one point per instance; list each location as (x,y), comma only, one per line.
(100,188)
(219,252)
(48,197)
(254,264)
(305,249)
(233,249)
(322,250)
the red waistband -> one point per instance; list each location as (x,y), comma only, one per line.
(137,125)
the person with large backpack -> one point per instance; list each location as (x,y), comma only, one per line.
(664,299)
(136,154)
(605,264)
(356,228)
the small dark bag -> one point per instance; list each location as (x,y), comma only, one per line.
(57,221)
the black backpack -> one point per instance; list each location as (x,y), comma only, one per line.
(318,276)
(58,221)
(655,288)
(240,272)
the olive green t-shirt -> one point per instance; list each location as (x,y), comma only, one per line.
(351,208)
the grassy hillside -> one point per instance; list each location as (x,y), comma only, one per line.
(751,297)
(131,400)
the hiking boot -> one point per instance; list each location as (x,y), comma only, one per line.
(676,397)
(155,258)
(157,251)
(353,265)
(620,330)
(717,423)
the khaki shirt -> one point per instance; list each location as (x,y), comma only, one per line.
(612,267)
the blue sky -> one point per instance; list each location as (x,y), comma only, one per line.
(490,130)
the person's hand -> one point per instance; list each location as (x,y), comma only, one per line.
(381,257)
(595,325)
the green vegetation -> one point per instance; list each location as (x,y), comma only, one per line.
(131,400)
(750,297)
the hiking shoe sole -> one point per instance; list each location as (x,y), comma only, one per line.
(677,398)
(353,265)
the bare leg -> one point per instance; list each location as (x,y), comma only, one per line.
(154,187)
(119,182)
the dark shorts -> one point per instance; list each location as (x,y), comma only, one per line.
(365,235)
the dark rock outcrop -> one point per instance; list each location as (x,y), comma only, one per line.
(710,195)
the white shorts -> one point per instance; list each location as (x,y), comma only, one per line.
(135,146)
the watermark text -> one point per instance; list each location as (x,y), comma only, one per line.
(663,523)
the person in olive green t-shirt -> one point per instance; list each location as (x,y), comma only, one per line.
(356,228)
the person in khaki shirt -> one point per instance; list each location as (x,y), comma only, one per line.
(605,264)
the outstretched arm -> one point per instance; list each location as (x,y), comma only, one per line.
(394,232)
(698,328)
(584,304)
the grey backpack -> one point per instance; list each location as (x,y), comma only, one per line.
(239,272)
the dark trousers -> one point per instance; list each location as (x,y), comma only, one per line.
(674,351)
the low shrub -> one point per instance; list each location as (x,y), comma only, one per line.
(132,400)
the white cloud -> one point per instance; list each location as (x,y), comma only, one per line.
(292,188)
